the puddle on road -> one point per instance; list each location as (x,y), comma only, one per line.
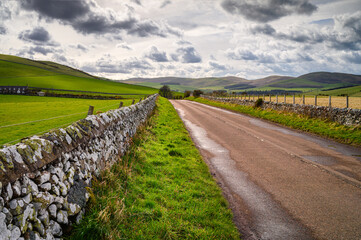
(271,222)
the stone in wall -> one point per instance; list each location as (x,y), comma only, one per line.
(44,179)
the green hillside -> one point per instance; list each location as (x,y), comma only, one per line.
(15,71)
(317,81)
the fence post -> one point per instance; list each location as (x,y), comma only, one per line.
(120,105)
(346,101)
(276,98)
(303,99)
(91,110)
(329,101)
(294,99)
(253,97)
(315,100)
(133,101)
(285,100)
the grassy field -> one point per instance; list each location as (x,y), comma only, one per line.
(332,130)
(350,91)
(161,190)
(15,71)
(28,111)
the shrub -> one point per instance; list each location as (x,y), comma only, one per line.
(258,103)
(197,93)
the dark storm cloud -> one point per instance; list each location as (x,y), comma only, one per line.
(242,55)
(165,3)
(80,47)
(137,2)
(267,10)
(218,66)
(5,12)
(86,17)
(354,57)
(3,30)
(62,10)
(187,55)
(38,36)
(348,39)
(145,29)
(156,55)
(42,50)
(106,65)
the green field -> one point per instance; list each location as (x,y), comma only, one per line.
(15,71)
(28,110)
(161,190)
(350,91)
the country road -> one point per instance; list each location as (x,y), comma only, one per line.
(281,183)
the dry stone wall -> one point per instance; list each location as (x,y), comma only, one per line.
(44,180)
(344,116)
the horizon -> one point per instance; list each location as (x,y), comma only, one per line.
(149,39)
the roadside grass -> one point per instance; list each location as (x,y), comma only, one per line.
(161,189)
(332,130)
(17,109)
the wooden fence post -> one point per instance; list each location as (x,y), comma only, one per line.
(285,100)
(120,105)
(315,100)
(346,101)
(294,99)
(276,98)
(303,99)
(91,110)
(329,101)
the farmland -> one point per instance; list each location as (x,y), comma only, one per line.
(28,111)
(15,71)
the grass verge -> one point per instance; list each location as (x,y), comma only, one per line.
(332,130)
(161,189)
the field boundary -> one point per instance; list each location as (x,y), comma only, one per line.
(344,116)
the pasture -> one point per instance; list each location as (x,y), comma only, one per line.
(23,116)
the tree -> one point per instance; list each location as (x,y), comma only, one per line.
(197,93)
(165,92)
(187,94)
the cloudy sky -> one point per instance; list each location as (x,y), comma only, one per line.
(120,39)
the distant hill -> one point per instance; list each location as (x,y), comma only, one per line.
(306,83)
(16,71)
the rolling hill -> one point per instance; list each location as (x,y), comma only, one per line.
(16,71)
(320,81)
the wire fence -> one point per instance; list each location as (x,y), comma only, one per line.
(327,101)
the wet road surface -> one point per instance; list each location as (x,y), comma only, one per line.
(281,184)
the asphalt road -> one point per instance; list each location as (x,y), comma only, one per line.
(281,183)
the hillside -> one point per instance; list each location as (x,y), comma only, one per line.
(309,82)
(16,71)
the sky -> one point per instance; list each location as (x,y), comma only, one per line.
(121,39)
